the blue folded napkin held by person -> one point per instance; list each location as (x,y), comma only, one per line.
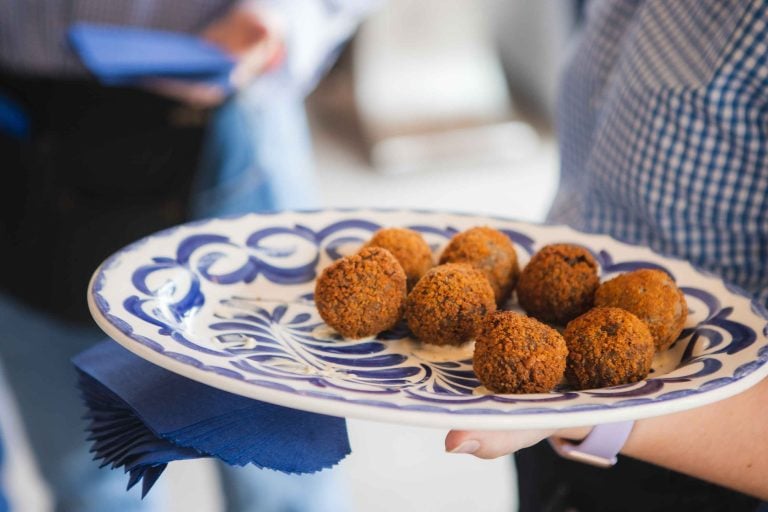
(141,417)
(122,54)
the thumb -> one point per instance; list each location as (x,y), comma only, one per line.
(492,444)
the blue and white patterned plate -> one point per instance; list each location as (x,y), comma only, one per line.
(228,302)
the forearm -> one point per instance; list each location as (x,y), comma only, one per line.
(725,443)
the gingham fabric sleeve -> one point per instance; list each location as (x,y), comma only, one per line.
(664,132)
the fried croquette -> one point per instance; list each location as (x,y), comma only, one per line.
(607,347)
(558,284)
(489,251)
(652,296)
(448,304)
(408,247)
(518,354)
(363,294)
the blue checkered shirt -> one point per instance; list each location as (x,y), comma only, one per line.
(664,129)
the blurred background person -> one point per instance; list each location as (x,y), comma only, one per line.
(90,168)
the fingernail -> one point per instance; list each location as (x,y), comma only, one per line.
(468,446)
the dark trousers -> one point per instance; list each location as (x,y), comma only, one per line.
(98,168)
(549,483)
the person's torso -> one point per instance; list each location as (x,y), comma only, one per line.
(663,131)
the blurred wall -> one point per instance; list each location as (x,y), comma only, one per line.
(533,39)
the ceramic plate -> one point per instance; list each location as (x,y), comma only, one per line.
(228,302)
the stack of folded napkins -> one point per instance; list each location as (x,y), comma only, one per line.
(141,417)
(119,55)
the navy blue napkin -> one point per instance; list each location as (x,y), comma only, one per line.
(141,417)
(119,54)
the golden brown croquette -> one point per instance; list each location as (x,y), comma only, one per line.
(652,296)
(363,294)
(448,304)
(607,347)
(518,354)
(490,251)
(408,247)
(558,284)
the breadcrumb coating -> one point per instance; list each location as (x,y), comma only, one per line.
(363,294)
(653,297)
(607,347)
(490,251)
(410,249)
(448,304)
(518,354)
(558,284)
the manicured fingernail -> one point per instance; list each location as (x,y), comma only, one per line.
(468,446)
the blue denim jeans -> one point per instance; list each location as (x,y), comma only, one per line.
(257,157)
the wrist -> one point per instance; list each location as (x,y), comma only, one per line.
(599,446)
(573,433)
